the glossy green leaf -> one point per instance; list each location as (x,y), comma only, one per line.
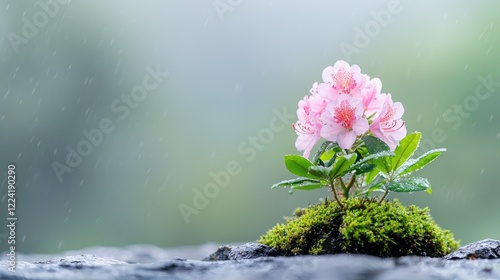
(405,149)
(413,184)
(370,157)
(362,152)
(375,185)
(308,186)
(374,188)
(330,162)
(363,168)
(295,182)
(319,171)
(321,150)
(416,164)
(383,164)
(327,155)
(375,145)
(298,165)
(341,165)
(370,176)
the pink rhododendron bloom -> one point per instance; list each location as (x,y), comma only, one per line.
(324,90)
(308,127)
(389,127)
(343,121)
(341,108)
(344,78)
(314,89)
(317,104)
(373,100)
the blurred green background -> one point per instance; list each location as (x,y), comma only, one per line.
(231,65)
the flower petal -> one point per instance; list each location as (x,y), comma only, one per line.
(346,139)
(360,126)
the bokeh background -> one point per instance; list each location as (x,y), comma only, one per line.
(231,65)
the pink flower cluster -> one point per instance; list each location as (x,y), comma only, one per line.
(346,105)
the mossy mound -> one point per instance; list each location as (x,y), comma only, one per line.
(362,226)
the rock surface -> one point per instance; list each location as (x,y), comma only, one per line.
(484,249)
(107,263)
(242,252)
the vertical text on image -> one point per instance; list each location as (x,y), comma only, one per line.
(11,218)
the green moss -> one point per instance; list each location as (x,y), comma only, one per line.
(362,226)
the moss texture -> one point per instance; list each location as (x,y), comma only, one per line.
(362,226)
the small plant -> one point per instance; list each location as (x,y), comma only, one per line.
(366,148)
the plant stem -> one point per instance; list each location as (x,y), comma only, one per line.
(335,194)
(383,197)
(345,189)
(351,182)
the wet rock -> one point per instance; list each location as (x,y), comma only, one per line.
(81,261)
(91,266)
(242,252)
(484,249)
(143,253)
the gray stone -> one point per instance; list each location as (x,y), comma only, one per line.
(242,252)
(133,253)
(484,249)
(91,266)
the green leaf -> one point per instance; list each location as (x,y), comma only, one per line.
(327,155)
(308,186)
(374,188)
(375,185)
(319,171)
(413,184)
(383,165)
(341,165)
(375,145)
(298,165)
(363,168)
(429,190)
(371,157)
(321,150)
(417,164)
(362,151)
(370,176)
(295,182)
(331,161)
(405,149)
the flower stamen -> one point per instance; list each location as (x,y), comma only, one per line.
(303,128)
(344,80)
(345,114)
